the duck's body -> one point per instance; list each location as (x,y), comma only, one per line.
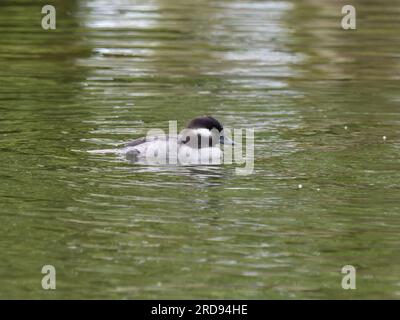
(197,144)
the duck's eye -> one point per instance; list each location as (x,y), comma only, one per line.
(187,139)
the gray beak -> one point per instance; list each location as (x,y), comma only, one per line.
(225,140)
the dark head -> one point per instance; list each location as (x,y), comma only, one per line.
(205,122)
(205,131)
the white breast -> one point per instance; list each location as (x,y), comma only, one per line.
(202,156)
(171,152)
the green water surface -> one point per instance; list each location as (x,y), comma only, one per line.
(319,98)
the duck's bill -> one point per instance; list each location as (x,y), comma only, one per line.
(226,140)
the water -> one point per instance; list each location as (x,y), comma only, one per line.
(319,98)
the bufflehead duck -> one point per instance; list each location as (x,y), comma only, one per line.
(196,144)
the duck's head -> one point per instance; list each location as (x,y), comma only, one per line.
(203,132)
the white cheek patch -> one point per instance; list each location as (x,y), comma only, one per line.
(207,138)
(203,132)
(200,138)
